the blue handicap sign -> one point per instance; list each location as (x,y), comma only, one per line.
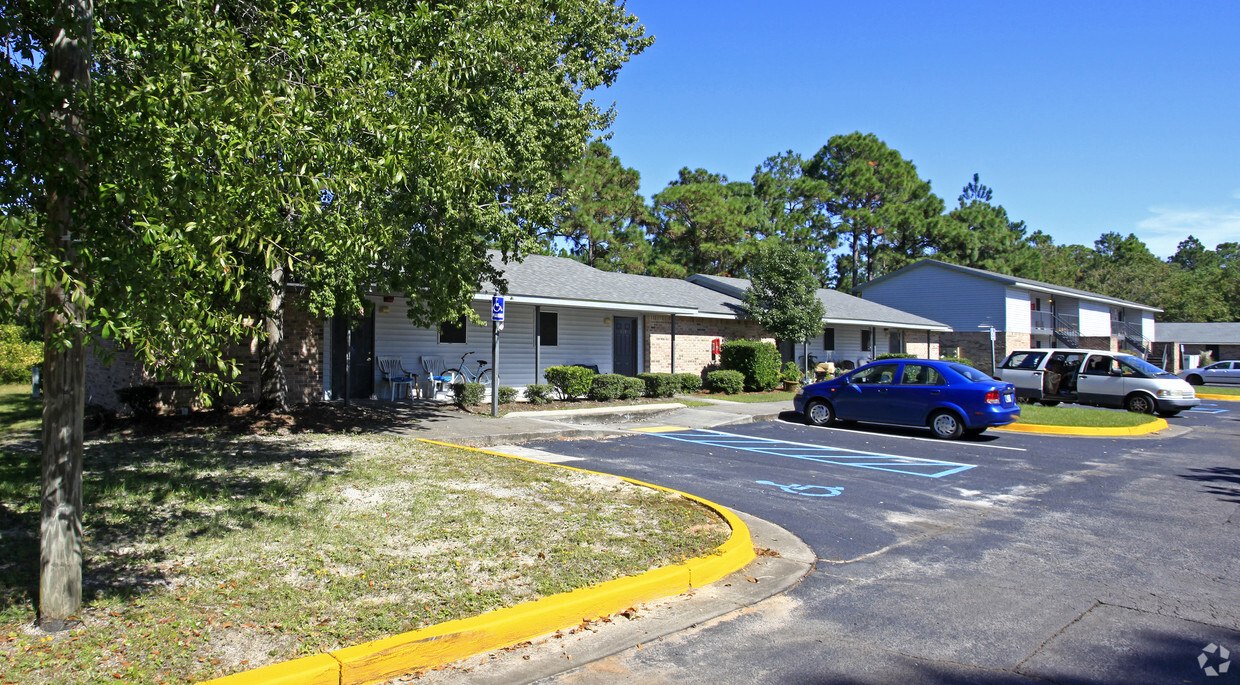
(497,308)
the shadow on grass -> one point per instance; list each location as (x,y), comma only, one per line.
(142,490)
(1223,482)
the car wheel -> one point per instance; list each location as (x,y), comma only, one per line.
(974,432)
(819,413)
(1139,403)
(1168,414)
(946,425)
(1194,379)
(1049,403)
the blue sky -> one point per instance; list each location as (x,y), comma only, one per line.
(1083,117)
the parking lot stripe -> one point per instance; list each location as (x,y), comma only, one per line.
(823,454)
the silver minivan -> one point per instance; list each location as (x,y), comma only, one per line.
(1100,377)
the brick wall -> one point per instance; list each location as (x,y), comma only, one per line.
(915,343)
(303,368)
(1097,342)
(693,336)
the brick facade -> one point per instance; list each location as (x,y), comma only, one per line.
(693,336)
(303,369)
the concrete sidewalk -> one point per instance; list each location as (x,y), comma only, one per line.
(480,429)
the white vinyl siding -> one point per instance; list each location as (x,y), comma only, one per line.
(1095,319)
(1147,325)
(960,300)
(583,339)
(1018,311)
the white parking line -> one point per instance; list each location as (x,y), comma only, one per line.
(939,441)
(538,455)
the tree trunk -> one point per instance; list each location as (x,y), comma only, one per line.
(273,386)
(64,362)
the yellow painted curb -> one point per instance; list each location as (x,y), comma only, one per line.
(660,429)
(443,643)
(1225,398)
(1144,429)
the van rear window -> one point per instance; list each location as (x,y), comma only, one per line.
(1023,360)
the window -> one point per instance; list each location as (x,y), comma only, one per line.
(881,374)
(865,340)
(921,374)
(548,329)
(452,331)
(1024,360)
(828,338)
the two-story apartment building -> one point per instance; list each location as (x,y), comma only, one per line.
(1022,311)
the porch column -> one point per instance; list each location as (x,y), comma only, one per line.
(673,343)
(537,341)
(927,343)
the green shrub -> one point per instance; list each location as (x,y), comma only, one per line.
(468,394)
(895,355)
(757,361)
(606,387)
(507,395)
(689,382)
(958,360)
(538,393)
(142,399)
(660,384)
(570,382)
(17,355)
(791,372)
(632,388)
(725,381)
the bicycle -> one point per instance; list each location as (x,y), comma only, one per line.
(462,374)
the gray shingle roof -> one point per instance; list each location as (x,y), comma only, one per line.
(1012,280)
(541,276)
(841,307)
(1198,333)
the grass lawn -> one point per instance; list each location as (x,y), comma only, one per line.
(210,553)
(1230,391)
(773,396)
(1074,415)
(19,411)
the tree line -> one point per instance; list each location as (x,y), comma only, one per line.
(858,210)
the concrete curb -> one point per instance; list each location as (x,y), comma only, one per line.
(443,643)
(1144,429)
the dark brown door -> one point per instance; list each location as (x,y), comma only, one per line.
(361,362)
(624,346)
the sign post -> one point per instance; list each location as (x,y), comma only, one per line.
(497,325)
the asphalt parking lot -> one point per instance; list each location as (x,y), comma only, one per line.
(1008,557)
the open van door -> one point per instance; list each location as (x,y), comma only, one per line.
(1023,369)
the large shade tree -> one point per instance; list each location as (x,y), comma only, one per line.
(606,218)
(703,224)
(783,293)
(796,210)
(169,164)
(885,211)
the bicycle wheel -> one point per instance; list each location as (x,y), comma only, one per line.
(486,378)
(453,376)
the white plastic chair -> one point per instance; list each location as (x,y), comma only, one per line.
(397,377)
(435,374)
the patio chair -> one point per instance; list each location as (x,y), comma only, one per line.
(398,377)
(436,376)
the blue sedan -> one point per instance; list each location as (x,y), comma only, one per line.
(951,399)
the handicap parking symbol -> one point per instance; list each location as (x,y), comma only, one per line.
(1208,408)
(808,490)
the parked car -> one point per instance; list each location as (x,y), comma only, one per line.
(951,399)
(1098,377)
(1217,373)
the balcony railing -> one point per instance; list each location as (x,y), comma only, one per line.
(1130,336)
(1067,330)
(1042,321)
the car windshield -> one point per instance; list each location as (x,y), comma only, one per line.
(969,372)
(1141,365)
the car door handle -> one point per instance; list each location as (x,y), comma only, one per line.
(882,389)
(935,392)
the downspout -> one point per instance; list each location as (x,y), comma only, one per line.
(673,343)
(537,341)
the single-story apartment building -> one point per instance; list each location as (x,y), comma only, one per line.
(1177,344)
(558,311)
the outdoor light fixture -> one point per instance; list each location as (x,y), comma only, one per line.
(606,319)
(384,309)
